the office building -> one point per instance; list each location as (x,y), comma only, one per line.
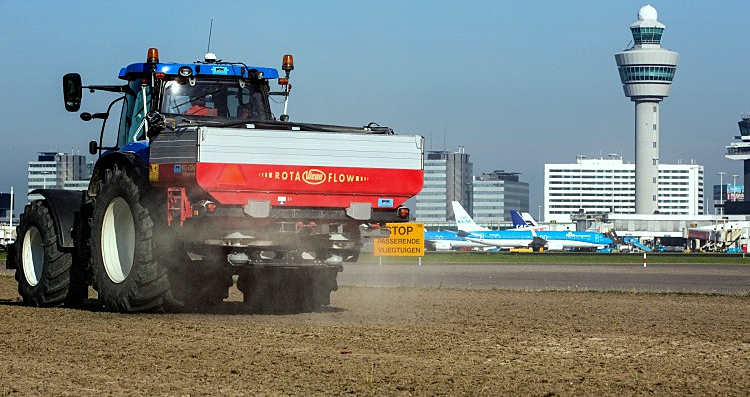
(609,186)
(58,171)
(447,177)
(646,72)
(496,194)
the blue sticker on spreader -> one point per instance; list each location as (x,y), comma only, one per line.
(385,202)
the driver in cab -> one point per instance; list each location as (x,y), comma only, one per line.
(199,108)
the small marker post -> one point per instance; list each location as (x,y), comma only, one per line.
(644,259)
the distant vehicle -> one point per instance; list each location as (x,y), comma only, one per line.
(448,240)
(7,236)
(551,240)
(635,242)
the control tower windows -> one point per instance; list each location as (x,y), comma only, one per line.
(630,74)
(744,126)
(647,35)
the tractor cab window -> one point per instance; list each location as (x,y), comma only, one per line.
(132,125)
(241,99)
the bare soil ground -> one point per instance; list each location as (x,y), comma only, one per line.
(388,341)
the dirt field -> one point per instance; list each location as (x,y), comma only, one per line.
(380,341)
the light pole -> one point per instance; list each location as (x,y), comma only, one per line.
(539,213)
(580,158)
(734,187)
(721,192)
(11,210)
(44,178)
(612,157)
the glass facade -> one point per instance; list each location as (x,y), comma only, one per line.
(447,176)
(644,35)
(493,199)
(646,73)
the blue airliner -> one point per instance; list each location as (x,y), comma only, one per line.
(552,240)
(448,240)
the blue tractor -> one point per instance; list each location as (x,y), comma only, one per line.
(205,185)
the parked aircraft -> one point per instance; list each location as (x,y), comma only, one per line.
(525,221)
(448,240)
(552,240)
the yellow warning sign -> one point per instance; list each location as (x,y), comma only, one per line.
(407,239)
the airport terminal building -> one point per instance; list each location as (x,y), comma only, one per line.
(608,186)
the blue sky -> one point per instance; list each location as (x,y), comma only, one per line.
(519,84)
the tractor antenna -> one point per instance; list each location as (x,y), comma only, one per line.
(210,29)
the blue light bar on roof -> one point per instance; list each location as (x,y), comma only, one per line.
(198,70)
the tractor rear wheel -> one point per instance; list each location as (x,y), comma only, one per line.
(43,270)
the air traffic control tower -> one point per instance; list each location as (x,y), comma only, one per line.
(740,150)
(646,72)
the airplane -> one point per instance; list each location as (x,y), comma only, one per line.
(448,240)
(553,240)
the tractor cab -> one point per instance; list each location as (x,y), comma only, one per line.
(210,92)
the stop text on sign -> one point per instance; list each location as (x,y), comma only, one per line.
(406,239)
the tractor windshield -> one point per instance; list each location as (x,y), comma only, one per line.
(240,99)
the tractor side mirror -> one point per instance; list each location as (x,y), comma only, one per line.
(72,91)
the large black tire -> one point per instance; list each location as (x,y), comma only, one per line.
(10,256)
(197,285)
(43,270)
(126,271)
(288,290)
(322,283)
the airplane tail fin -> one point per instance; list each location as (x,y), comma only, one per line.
(529,219)
(518,221)
(463,220)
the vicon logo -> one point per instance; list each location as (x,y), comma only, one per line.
(314,177)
